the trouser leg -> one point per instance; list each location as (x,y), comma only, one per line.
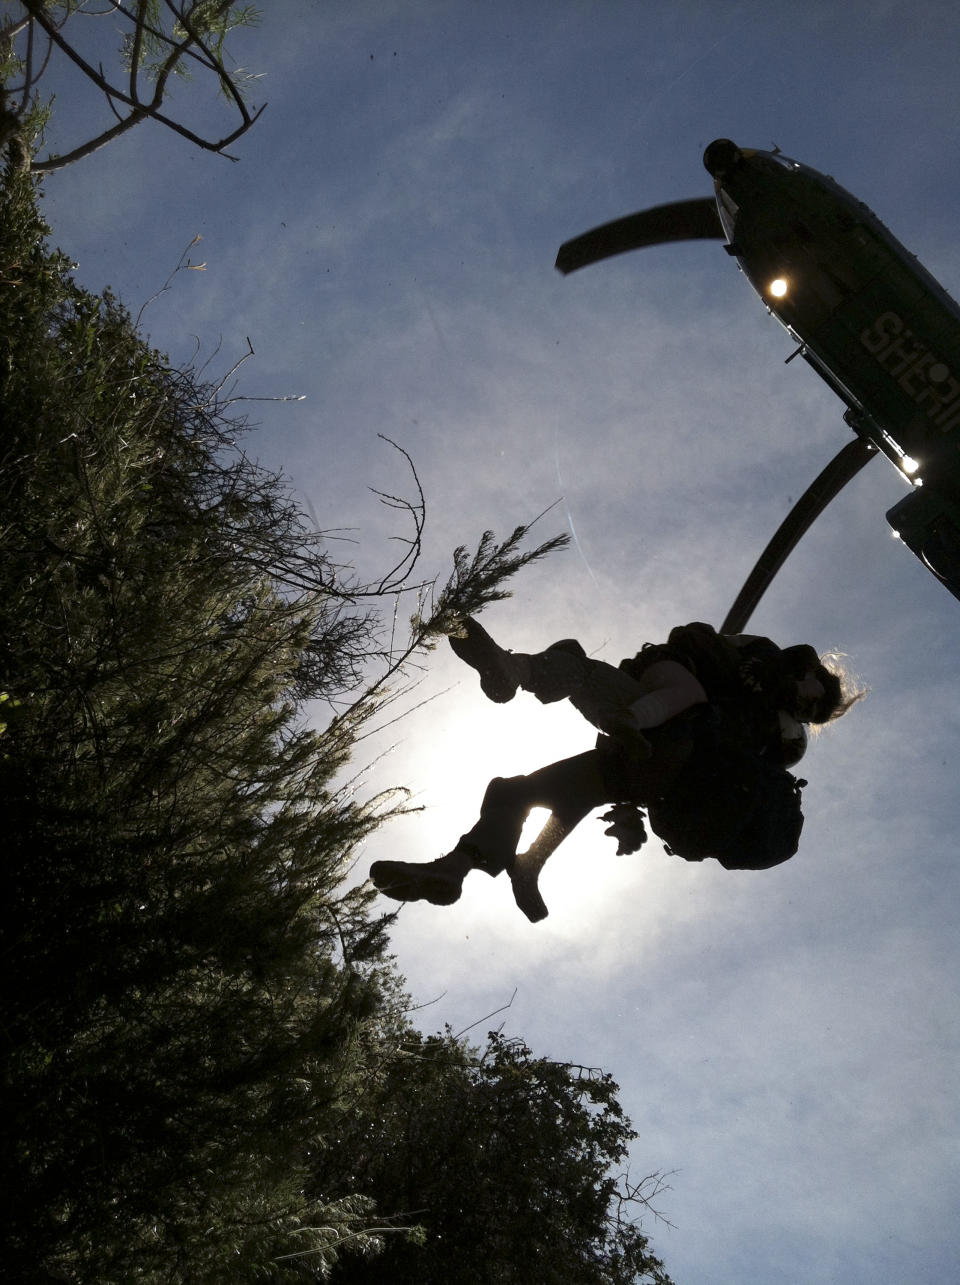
(570,789)
(599,691)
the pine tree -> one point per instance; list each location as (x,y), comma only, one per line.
(187,978)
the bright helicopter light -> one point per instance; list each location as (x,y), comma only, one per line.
(909,464)
(778,288)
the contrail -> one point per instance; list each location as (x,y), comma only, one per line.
(573,529)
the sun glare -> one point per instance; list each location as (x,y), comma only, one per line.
(477,741)
(532,827)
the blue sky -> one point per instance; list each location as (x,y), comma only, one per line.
(787,1041)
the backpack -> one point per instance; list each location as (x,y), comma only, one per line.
(728,802)
(745,676)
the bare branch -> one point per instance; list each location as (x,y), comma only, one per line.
(630,1195)
(193,46)
(502,1009)
(88,148)
(417,511)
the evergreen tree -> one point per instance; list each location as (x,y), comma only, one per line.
(187,980)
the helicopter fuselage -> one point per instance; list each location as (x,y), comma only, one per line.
(867,316)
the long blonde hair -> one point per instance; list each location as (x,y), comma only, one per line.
(841,685)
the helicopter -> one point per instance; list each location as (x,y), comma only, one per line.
(863,312)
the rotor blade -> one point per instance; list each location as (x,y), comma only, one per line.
(679,221)
(841,469)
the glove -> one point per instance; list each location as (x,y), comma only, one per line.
(626,827)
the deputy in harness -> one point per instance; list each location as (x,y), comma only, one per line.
(699,731)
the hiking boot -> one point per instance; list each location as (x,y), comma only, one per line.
(525,869)
(498,669)
(439,882)
(527,894)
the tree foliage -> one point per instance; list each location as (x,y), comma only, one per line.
(186,971)
(507,1161)
(207,1074)
(160,41)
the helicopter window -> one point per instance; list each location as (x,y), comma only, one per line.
(771,160)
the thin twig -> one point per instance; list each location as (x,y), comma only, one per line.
(502,1009)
